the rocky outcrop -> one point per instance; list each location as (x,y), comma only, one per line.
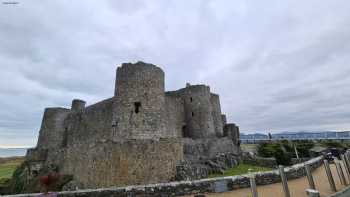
(252,159)
(193,170)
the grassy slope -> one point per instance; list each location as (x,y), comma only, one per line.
(241,169)
(8,166)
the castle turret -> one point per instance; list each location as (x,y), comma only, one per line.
(216,113)
(140,106)
(198,111)
(78,105)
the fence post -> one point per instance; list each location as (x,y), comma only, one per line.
(347,160)
(329,175)
(309,176)
(340,172)
(346,166)
(284,181)
(253,185)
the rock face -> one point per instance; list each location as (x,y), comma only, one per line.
(141,135)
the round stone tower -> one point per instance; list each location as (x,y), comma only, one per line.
(198,112)
(140,102)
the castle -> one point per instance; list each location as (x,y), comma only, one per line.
(141,135)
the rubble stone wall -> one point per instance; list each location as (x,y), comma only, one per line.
(193,187)
(129,162)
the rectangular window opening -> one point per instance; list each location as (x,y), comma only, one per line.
(137,106)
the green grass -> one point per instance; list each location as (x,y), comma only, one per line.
(241,169)
(8,167)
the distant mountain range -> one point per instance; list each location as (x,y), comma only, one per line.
(297,135)
(11,152)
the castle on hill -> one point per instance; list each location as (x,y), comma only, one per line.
(143,134)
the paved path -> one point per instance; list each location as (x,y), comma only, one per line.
(296,186)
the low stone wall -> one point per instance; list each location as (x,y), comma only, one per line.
(295,160)
(220,184)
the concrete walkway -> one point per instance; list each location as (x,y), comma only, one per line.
(296,186)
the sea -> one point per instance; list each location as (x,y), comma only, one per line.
(11,152)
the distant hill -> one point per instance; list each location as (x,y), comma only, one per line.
(12,152)
(297,135)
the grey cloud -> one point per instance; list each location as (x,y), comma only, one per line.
(276,65)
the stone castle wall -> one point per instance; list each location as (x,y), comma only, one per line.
(139,135)
(52,128)
(123,163)
(92,124)
(175,114)
(195,112)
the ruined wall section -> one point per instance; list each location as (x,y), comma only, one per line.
(216,113)
(139,109)
(175,114)
(120,163)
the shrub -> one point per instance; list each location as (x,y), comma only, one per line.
(275,150)
(332,144)
(303,147)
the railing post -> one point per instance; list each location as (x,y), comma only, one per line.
(284,181)
(347,160)
(329,175)
(340,172)
(309,176)
(253,185)
(346,166)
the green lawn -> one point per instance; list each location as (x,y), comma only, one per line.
(241,169)
(7,168)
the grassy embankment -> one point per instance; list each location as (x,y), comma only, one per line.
(241,169)
(7,167)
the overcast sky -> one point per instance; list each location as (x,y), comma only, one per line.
(277,65)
